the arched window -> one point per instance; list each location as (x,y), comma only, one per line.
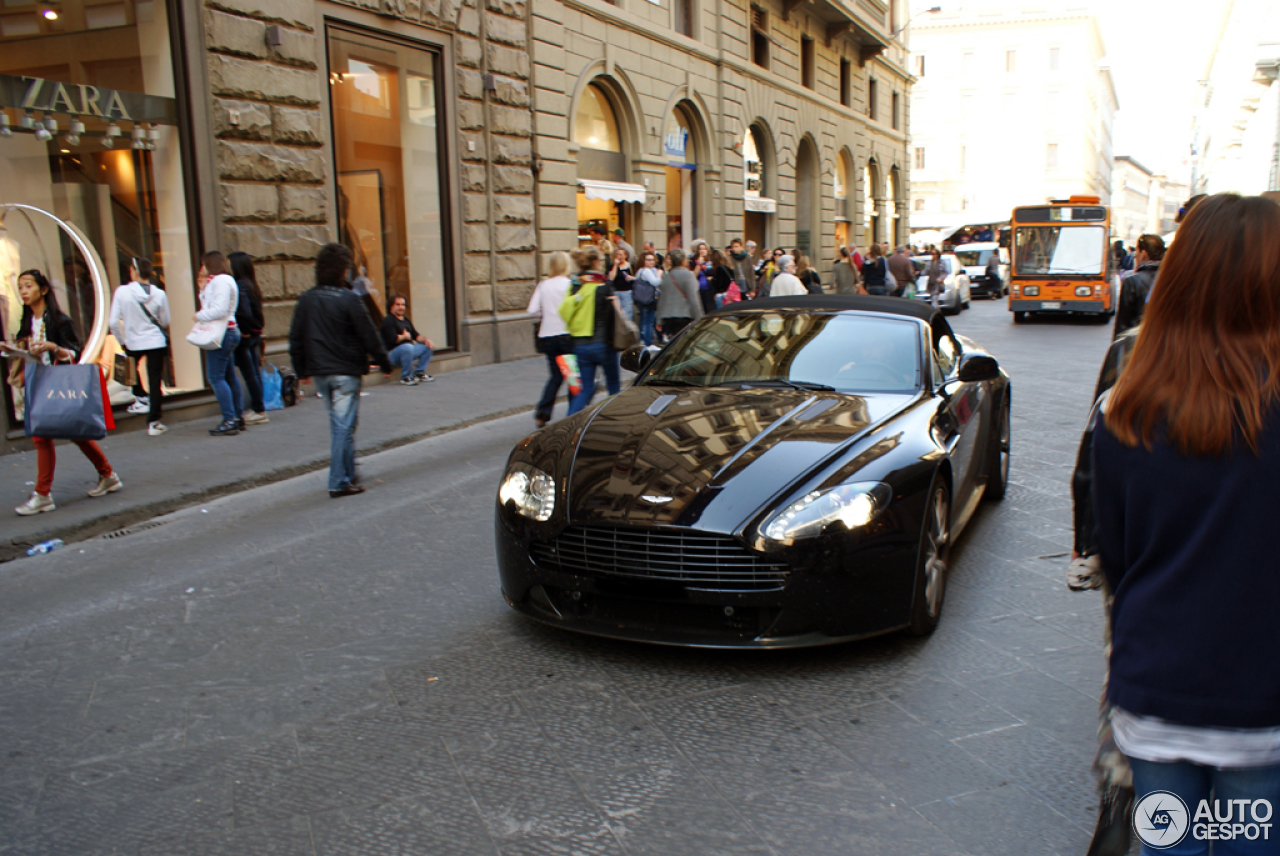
(602,167)
(871,215)
(758,181)
(681,153)
(808,200)
(595,126)
(891,207)
(844,173)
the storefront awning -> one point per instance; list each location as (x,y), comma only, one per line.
(763,204)
(612,191)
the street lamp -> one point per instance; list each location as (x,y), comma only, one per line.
(933,10)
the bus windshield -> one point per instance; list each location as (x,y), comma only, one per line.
(1059,250)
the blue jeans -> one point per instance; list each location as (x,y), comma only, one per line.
(1193,783)
(341,394)
(590,355)
(221,368)
(648,317)
(411,357)
(627,303)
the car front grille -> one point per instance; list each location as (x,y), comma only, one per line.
(693,559)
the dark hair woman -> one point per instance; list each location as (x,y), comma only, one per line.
(49,334)
(219,298)
(874,270)
(1186,458)
(721,277)
(249,320)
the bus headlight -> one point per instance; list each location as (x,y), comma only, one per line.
(1084,291)
(1031,291)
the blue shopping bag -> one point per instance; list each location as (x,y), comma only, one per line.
(65,402)
(272,388)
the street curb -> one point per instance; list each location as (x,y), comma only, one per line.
(122,518)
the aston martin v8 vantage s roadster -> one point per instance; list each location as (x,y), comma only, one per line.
(786,472)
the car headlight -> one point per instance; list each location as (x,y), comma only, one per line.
(854,505)
(532,492)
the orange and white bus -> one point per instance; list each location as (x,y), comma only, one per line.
(1061,262)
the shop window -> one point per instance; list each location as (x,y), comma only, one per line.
(806,63)
(681,181)
(846,75)
(99,148)
(388,152)
(871,215)
(759,37)
(682,15)
(600,159)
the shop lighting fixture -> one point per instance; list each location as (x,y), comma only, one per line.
(74,130)
(27,121)
(109,136)
(51,124)
(43,135)
(153,137)
(139,137)
(49,13)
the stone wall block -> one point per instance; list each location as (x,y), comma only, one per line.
(303,203)
(508,31)
(470,84)
(298,278)
(511,150)
(297,48)
(476,267)
(513,296)
(517,266)
(480,298)
(512,92)
(297,125)
(473,177)
(248,202)
(295,13)
(257,162)
(508,61)
(475,238)
(469,22)
(512,179)
(472,147)
(517,237)
(468,52)
(235,35)
(475,208)
(278,317)
(270,281)
(261,81)
(275,242)
(509,120)
(513,209)
(510,8)
(470,115)
(254,120)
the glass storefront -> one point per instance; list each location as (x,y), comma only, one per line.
(871,215)
(682,166)
(387,148)
(758,207)
(90,134)
(603,191)
(842,203)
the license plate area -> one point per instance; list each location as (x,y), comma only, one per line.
(1051,304)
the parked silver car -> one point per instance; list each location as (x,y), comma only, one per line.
(956,294)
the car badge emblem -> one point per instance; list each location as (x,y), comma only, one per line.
(656,500)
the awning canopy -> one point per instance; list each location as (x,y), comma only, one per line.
(612,191)
(762,204)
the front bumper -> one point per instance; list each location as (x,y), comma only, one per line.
(1089,307)
(834,591)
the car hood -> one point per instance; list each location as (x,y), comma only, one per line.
(657,455)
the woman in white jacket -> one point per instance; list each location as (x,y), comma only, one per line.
(140,323)
(219,297)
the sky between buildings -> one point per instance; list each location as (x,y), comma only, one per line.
(1158,52)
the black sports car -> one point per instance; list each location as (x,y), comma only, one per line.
(786,472)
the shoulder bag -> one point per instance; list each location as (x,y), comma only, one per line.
(208,335)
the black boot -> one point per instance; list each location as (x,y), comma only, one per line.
(1111,835)
(226,429)
(240,426)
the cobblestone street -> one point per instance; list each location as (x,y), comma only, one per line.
(273,672)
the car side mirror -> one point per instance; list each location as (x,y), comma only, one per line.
(637,357)
(977,367)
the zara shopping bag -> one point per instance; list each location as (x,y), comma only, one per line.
(66,402)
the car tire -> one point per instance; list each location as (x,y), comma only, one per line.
(1019,318)
(998,449)
(931,561)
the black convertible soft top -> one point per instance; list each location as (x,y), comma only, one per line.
(837,303)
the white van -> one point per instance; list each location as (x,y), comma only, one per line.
(974,257)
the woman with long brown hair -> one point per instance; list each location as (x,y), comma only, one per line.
(1186,463)
(219,297)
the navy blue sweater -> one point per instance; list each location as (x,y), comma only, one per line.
(1189,547)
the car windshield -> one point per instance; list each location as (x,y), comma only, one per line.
(974,258)
(849,353)
(1059,250)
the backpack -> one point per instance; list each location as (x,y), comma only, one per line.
(288,386)
(643,291)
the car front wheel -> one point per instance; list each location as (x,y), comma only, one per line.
(998,455)
(931,561)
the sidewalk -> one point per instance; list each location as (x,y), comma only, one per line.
(186,465)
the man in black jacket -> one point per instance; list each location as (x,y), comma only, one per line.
(330,341)
(1135,289)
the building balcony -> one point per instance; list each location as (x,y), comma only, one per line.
(864,21)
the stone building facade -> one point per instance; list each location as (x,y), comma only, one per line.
(454,144)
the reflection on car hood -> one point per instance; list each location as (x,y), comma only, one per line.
(657,455)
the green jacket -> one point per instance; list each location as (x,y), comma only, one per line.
(579,309)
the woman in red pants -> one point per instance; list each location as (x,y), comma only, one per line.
(51,335)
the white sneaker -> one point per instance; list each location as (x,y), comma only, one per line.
(140,406)
(110,484)
(252,418)
(155,429)
(36,504)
